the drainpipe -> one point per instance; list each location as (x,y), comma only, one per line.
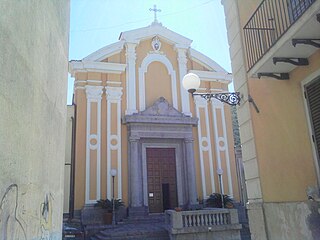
(72,174)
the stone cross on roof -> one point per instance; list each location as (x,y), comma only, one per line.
(155,12)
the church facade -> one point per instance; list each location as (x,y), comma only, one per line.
(133,117)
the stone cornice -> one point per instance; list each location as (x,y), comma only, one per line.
(222,77)
(131,119)
(105,52)
(101,67)
(204,60)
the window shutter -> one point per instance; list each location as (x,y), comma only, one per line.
(313,99)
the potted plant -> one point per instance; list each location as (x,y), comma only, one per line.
(107,205)
(215,201)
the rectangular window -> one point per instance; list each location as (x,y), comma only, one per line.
(312,94)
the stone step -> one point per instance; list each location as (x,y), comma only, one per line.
(152,218)
(134,231)
(143,227)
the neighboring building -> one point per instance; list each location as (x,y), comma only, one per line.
(34,70)
(274,49)
(133,115)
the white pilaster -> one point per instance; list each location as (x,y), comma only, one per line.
(182,62)
(221,141)
(114,138)
(204,144)
(131,78)
(93,140)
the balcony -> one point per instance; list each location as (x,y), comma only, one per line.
(280,35)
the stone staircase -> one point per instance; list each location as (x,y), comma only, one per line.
(151,227)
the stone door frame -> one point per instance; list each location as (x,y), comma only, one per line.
(160,125)
(179,168)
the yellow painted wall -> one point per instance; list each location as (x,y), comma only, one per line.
(283,143)
(284,152)
(157,83)
(80,146)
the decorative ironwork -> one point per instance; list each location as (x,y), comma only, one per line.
(294,61)
(232,98)
(312,42)
(279,76)
(268,23)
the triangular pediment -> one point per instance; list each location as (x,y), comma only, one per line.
(156,29)
(161,112)
(161,107)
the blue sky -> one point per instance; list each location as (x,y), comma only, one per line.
(97,23)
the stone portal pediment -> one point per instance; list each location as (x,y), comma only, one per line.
(160,112)
(161,107)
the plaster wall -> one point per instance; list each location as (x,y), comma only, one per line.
(34,67)
(282,124)
(292,220)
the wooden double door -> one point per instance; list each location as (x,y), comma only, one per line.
(162,181)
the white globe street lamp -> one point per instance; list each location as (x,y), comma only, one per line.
(191,82)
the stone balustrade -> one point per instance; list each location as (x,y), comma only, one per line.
(214,223)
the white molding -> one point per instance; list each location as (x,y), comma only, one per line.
(100,67)
(182,63)
(221,77)
(204,60)
(94,81)
(156,57)
(155,29)
(105,52)
(93,94)
(217,105)
(304,82)
(113,82)
(202,103)
(114,95)
(80,88)
(131,78)
(208,132)
(79,81)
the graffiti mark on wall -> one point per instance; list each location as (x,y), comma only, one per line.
(10,225)
(46,217)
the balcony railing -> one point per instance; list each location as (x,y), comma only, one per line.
(268,23)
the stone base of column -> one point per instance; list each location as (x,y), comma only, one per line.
(257,220)
(138,211)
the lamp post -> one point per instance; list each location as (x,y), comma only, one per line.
(191,82)
(113,173)
(220,172)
